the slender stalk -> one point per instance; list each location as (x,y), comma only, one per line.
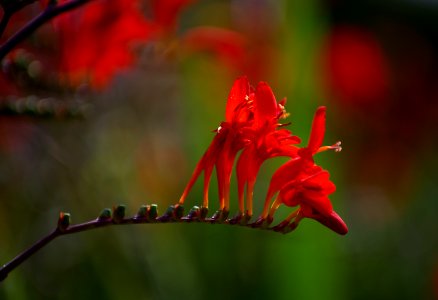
(49,13)
(4,22)
(9,9)
(194,216)
(19,259)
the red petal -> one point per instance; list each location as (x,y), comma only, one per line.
(317,201)
(318,130)
(288,196)
(265,105)
(286,173)
(238,93)
(166,12)
(320,182)
(334,222)
(205,164)
(247,167)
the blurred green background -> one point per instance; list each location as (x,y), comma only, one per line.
(374,64)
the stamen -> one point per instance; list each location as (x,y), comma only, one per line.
(283,113)
(274,206)
(335,147)
(292,215)
(283,125)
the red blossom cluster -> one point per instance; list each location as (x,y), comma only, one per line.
(252,128)
(98,40)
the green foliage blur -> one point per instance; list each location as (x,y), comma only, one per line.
(150,127)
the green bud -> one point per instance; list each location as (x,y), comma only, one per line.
(204,212)
(170,210)
(105,214)
(179,211)
(142,212)
(63,221)
(194,212)
(153,212)
(119,213)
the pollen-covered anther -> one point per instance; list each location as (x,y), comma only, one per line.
(335,147)
(283,113)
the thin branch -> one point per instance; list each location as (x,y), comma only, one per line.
(49,13)
(9,9)
(4,22)
(146,215)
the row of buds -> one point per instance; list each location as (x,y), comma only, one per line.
(149,214)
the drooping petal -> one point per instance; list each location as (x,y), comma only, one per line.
(206,164)
(265,105)
(312,201)
(318,130)
(334,222)
(238,94)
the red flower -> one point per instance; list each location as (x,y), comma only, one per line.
(166,12)
(357,70)
(97,40)
(310,192)
(301,182)
(267,142)
(251,125)
(231,136)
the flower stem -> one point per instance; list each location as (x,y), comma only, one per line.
(19,259)
(49,13)
(105,221)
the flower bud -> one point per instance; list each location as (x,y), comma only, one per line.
(153,212)
(63,221)
(142,212)
(119,213)
(105,214)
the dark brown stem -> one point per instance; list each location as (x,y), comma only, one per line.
(108,221)
(19,259)
(9,9)
(4,22)
(49,13)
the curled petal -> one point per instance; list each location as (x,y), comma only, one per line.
(318,130)
(321,183)
(315,203)
(334,222)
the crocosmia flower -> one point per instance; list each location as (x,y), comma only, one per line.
(266,142)
(301,182)
(252,128)
(97,40)
(231,136)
